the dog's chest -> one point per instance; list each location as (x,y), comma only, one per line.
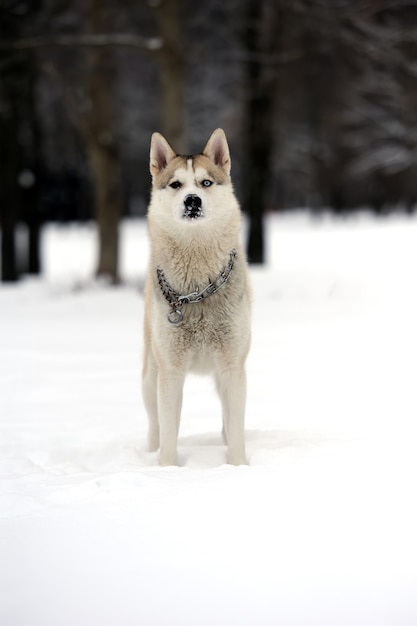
(203,346)
(202,329)
(200,339)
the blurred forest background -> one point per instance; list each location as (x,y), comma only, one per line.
(318,99)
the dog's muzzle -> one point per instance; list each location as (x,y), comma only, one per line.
(192,206)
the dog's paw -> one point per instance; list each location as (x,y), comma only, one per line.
(235,458)
(165,459)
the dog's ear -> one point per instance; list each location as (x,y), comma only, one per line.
(161,154)
(218,151)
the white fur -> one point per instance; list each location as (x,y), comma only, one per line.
(214,336)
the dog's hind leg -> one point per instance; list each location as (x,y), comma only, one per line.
(232,390)
(170,387)
(149,392)
(224,417)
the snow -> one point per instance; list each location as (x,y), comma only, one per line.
(319,529)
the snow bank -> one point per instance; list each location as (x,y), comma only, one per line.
(318,530)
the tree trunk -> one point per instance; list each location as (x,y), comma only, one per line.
(262,86)
(103,152)
(8,244)
(31,192)
(170,59)
(9,193)
(105,171)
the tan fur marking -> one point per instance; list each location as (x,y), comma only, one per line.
(199,161)
(162,180)
(217,174)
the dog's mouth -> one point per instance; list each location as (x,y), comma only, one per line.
(192,213)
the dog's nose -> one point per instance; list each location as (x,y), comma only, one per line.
(192,202)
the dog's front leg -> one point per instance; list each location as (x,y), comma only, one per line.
(232,390)
(170,386)
(149,392)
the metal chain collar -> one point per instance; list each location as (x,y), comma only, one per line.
(176,300)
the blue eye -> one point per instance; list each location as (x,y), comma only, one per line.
(206,183)
(176,184)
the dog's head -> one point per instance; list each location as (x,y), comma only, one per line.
(191,190)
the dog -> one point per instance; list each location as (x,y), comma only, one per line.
(197,293)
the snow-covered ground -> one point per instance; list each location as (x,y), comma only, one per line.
(319,529)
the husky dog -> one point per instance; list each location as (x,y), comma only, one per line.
(197,295)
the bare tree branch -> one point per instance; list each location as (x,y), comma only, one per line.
(378,44)
(89,40)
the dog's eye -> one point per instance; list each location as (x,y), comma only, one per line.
(207,183)
(176,184)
